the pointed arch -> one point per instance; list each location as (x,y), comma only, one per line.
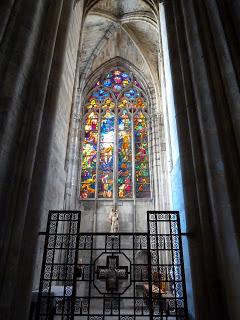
(146,83)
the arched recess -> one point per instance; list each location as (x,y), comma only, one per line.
(133,211)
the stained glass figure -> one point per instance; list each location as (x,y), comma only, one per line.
(141,156)
(115,119)
(89,151)
(124,155)
(105,183)
(105,187)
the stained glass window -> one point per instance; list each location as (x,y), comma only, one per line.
(115,159)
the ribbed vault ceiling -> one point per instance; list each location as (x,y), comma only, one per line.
(120,28)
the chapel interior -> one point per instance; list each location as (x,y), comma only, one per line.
(119,159)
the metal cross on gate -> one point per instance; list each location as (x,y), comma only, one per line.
(112,273)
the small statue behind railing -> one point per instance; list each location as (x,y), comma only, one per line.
(113,220)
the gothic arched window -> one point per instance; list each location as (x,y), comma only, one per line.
(115,159)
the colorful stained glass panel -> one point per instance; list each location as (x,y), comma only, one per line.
(107,83)
(101,94)
(141,156)
(100,135)
(87,190)
(106,148)
(89,162)
(143,190)
(88,175)
(125,75)
(117,88)
(132,94)
(89,152)
(89,149)
(124,155)
(105,162)
(109,104)
(123,104)
(125,189)
(91,122)
(105,184)
(139,103)
(91,137)
(124,124)
(140,128)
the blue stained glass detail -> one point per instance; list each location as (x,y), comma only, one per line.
(117,87)
(132,94)
(105,163)
(107,124)
(125,75)
(107,136)
(107,83)
(101,94)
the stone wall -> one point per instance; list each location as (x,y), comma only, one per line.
(206,91)
(132,215)
(57,117)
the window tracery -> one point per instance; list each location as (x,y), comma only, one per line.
(115,158)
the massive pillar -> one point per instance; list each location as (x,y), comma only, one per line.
(33,37)
(206,88)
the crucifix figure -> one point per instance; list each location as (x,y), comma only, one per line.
(112,273)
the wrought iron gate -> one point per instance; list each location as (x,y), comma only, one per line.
(105,276)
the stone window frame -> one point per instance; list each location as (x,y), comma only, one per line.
(86,92)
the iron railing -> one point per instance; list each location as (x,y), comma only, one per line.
(120,276)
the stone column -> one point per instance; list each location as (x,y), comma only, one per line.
(25,60)
(220,152)
(231,97)
(6,9)
(207,102)
(227,71)
(202,252)
(229,12)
